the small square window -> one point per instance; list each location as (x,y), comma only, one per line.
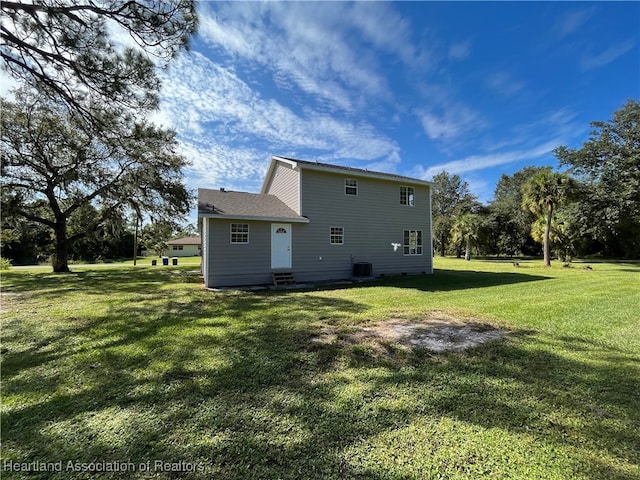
(239,233)
(337,236)
(407,195)
(350,187)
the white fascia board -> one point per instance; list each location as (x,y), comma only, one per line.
(272,166)
(293,163)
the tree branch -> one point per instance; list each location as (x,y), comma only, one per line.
(35,218)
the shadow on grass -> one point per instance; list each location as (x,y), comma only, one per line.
(235,382)
(136,280)
(446,280)
(100,281)
(441,281)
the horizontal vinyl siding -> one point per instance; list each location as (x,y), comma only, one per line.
(372,220)
(239,264)
(284,185)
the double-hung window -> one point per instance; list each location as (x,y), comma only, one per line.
(239,233)
(336,236)
(350,186)
(407,195)
(413,242)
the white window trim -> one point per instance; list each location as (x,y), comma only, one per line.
(412,196)
(331,235)
(351,186)
(231,233)
(418,246)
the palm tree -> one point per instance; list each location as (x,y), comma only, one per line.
(465,229)
(541,194)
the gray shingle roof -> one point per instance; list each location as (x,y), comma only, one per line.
(242,205)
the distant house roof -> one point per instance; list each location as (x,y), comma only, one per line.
(357,172)
(244,206)
(185,241)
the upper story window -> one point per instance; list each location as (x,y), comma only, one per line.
(350,186)
(407,196)
(239,233)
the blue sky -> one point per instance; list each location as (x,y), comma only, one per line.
(414,88)
(474,88)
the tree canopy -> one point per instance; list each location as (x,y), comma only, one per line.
(451,198)
(609,164)
(511,225)
(76,50)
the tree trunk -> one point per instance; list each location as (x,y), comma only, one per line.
(60,258)
(547,232)
(467,253)
(135,244)
(442,245)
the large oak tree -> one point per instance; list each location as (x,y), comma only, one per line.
(72,138)
(609,165)
(53,165)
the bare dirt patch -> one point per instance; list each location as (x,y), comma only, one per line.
(437,332)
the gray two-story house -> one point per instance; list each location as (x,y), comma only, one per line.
(316,221)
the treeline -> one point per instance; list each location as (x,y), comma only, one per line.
(589,207)
(25,242)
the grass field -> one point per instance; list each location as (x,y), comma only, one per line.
(114,368)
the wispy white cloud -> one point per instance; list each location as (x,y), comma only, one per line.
(480,162)
(226,127)
(309,45)
(460,50)
(527,141)
(504,83)
(571,22)
(214,165)
(596,60)
(394,37)
(449,122)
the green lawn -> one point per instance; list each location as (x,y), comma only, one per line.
(142,365)
(140,262)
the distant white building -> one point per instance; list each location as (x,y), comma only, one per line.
(183,247)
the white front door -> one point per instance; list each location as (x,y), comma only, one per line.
(280,245)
